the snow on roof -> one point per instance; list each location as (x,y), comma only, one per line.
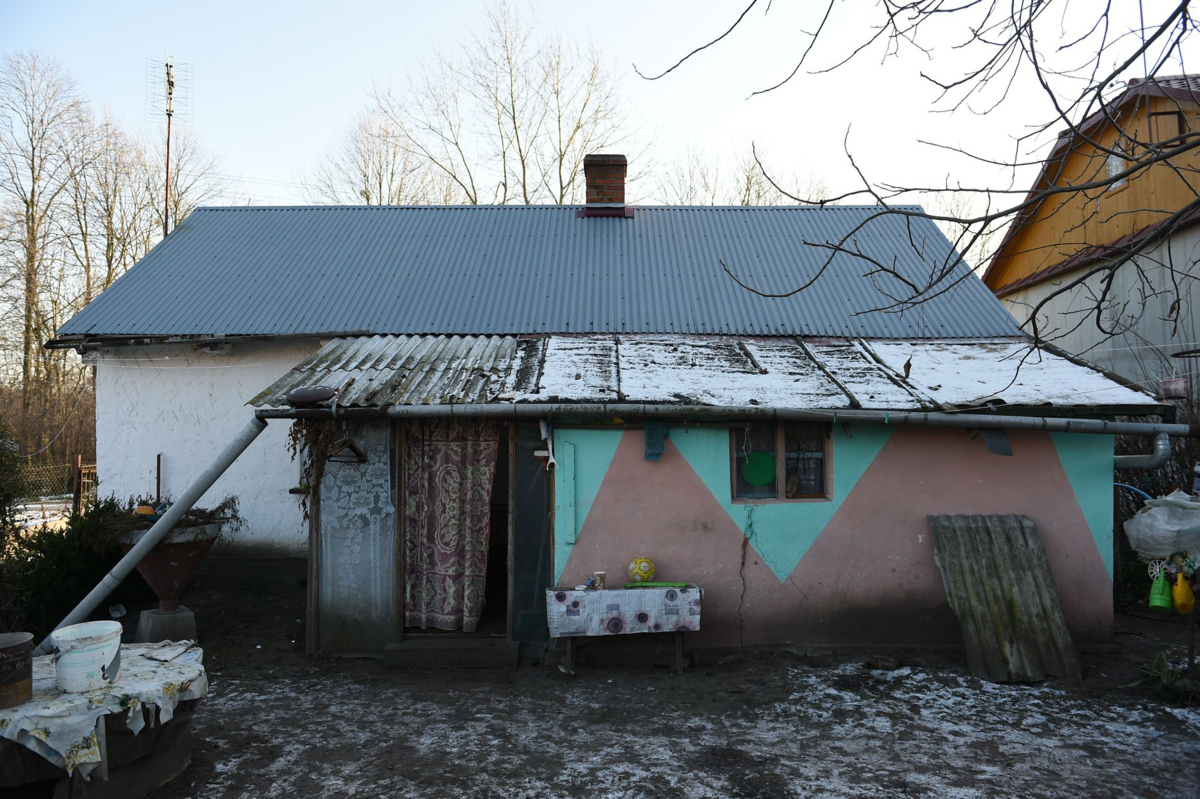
(724,371)
(1009,372)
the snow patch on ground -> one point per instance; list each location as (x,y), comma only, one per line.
(805,732)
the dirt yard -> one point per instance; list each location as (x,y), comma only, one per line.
(775,724)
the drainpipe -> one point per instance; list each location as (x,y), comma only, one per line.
(1156,458)
(160,529)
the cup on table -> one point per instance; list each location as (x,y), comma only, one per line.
(598,580)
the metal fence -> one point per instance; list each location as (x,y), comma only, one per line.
(73,482)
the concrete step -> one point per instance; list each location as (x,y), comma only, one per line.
(452,653)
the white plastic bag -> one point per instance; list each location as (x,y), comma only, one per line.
(1165,526)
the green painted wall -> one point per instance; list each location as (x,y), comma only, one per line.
(780,532)
(1088,462)
(593,452)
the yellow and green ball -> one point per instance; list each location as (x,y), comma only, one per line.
(641,570)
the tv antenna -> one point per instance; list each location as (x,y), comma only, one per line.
(169,94)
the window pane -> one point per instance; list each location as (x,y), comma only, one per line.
(1116,165)
(754,460)
(804,445)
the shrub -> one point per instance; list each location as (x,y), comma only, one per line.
(8,524)
(52,569)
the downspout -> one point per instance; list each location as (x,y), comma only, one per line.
(161,528)
(1157,457)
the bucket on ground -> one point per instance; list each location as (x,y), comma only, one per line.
(88,655)
(16,669)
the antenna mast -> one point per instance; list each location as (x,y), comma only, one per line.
(169,69)
(169,91)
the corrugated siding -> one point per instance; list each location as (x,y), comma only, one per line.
(999,583)
(1150,329)
(537,269)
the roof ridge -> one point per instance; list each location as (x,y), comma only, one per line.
(548,206)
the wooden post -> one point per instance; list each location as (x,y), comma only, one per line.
(1192,643)
(77,482)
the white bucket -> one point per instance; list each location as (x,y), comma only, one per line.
(88,655)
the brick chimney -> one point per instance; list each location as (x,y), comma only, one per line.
(605,179)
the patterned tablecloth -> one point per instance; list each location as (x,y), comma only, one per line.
(62,727)
(621,611)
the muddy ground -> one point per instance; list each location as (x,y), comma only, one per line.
(778,724)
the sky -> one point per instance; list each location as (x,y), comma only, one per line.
(275,85)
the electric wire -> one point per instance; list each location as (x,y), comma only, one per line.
(78,399)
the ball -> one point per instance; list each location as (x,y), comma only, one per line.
(641,570)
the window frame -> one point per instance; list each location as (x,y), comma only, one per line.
(781,466)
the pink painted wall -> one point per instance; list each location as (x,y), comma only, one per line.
(870,576)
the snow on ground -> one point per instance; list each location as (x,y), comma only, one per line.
(784,730)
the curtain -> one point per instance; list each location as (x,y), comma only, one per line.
(447,479)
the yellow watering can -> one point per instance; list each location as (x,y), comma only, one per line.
(1182,596)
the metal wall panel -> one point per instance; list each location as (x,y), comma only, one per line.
(1145,327)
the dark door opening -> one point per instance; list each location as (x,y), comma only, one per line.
(494,621)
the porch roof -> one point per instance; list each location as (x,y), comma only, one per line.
(726,371)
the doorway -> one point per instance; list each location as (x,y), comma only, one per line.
(454,527)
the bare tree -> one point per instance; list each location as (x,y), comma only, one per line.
(41,122)
(112,222)
(79,204)
(508,119)
(371,166)
(697,179)
(195,176)
(1076,58)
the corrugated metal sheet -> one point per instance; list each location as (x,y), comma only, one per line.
(1000,586)
(537,269)
(375,371)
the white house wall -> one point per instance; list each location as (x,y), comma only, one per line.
(188,405)
(1150,332)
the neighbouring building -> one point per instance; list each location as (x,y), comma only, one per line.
(1131,321)
(520,396)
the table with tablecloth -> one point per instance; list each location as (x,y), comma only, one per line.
(573,613)
(68,730)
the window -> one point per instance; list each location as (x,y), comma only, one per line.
(1166,125)
(1116,165)
(779,461)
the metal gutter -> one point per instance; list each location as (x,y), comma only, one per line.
(82,344)
(160,529)
(905,418)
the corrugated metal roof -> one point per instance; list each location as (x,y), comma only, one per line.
(999,583)
(375,371)
(538,269)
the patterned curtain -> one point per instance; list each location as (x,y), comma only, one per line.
(448,468)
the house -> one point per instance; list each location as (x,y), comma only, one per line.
(1149,311)
(517,397)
